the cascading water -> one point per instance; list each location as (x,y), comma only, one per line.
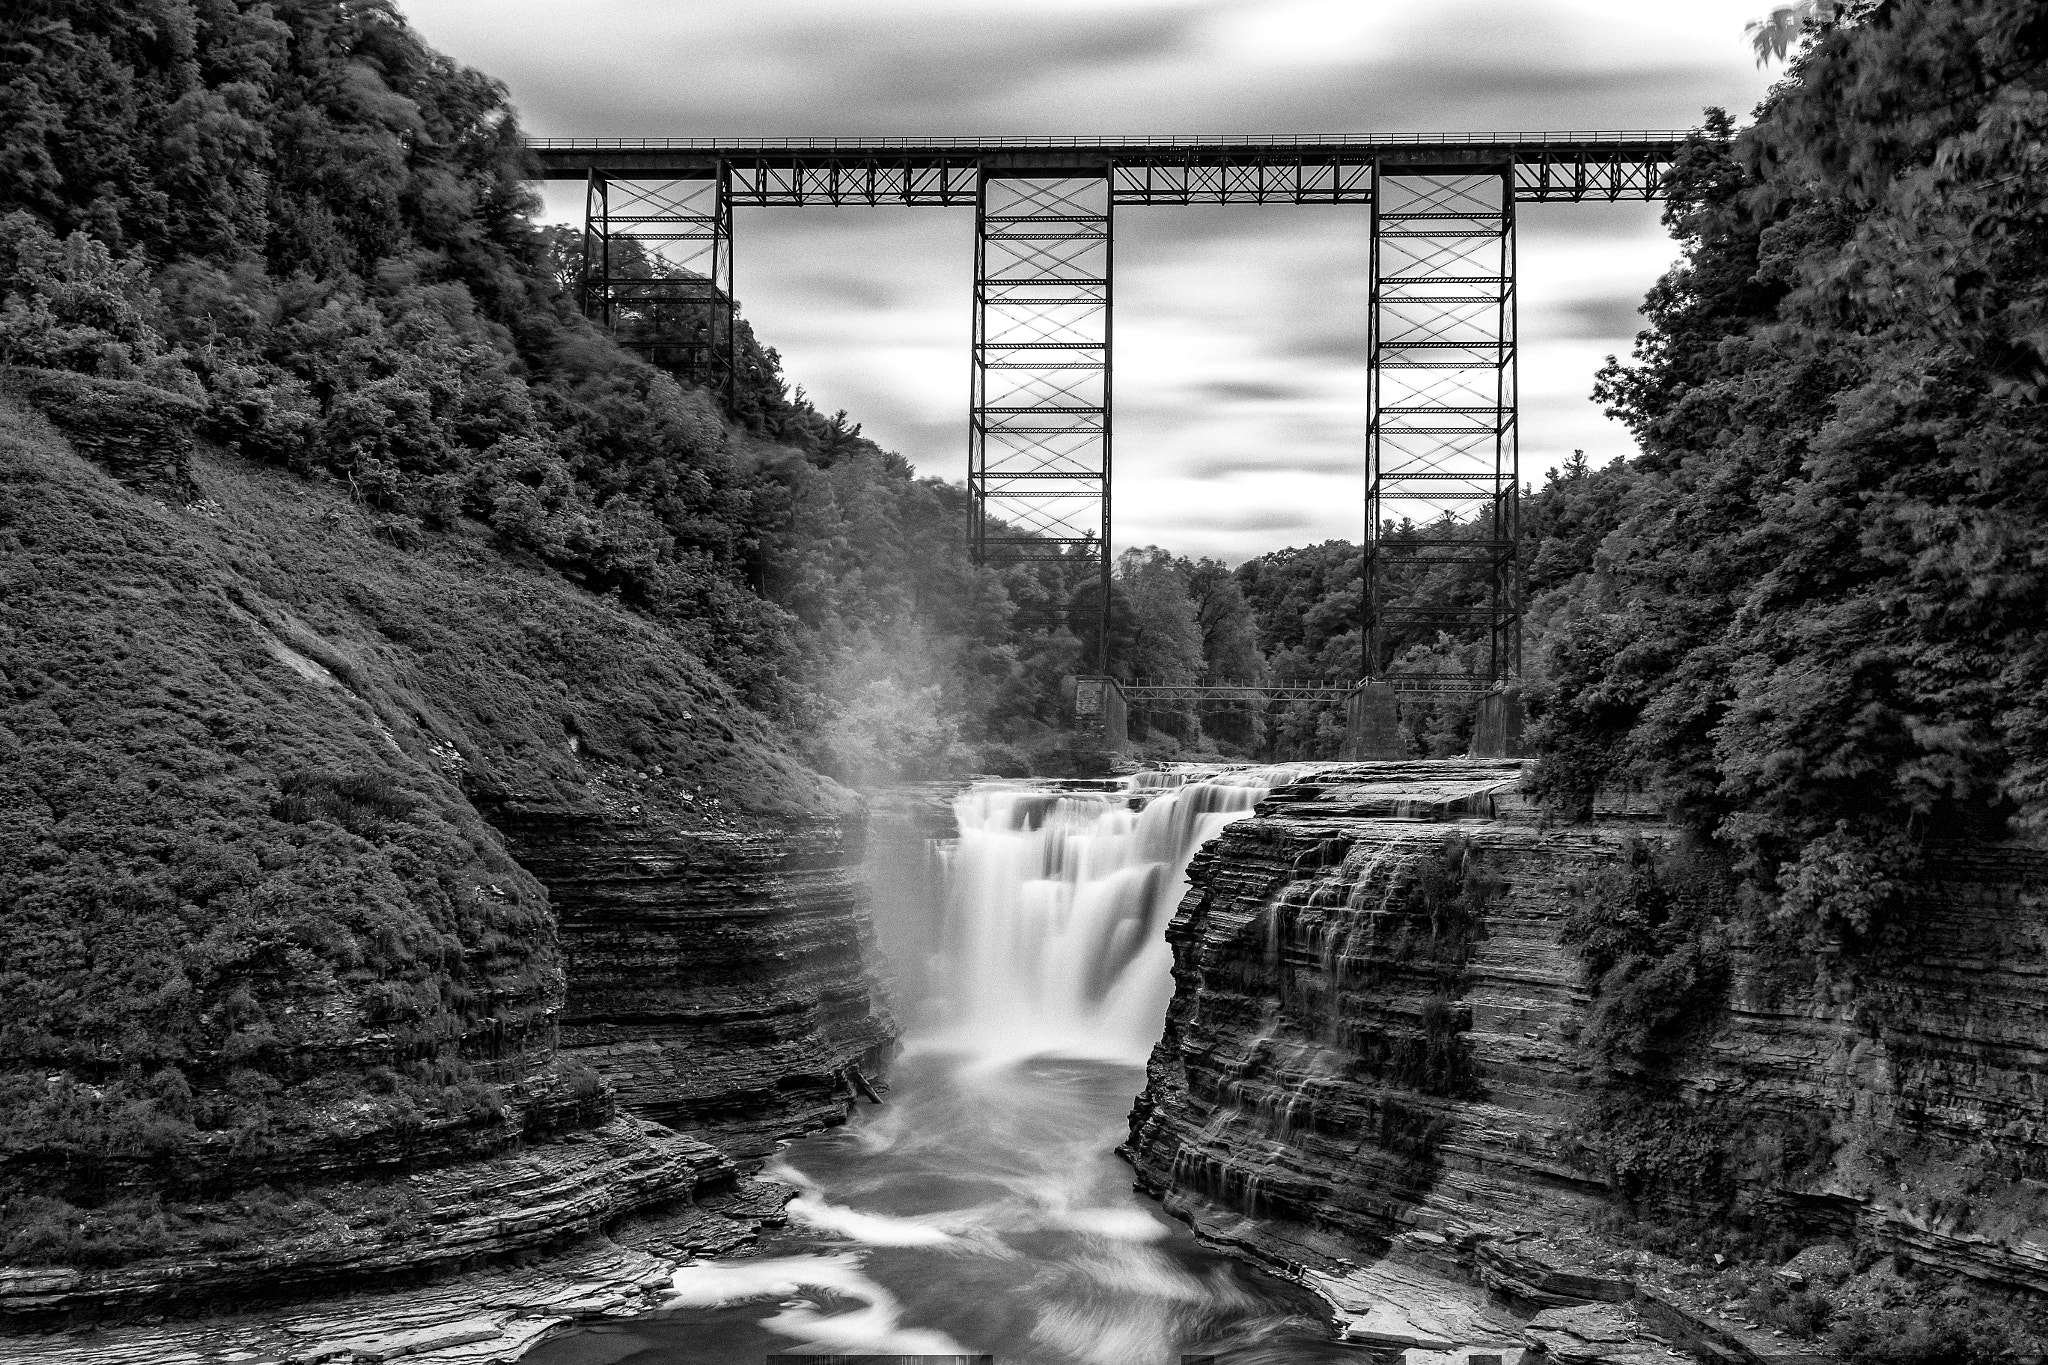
(1053,942)
(982,1208)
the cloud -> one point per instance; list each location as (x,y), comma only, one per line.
(942,59)
(1241,330)
(1220,466)
(833,289)
(1597,318)
(1249,391)
(1276,520)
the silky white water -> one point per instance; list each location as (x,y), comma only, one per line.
(1053,941)
(982,1208)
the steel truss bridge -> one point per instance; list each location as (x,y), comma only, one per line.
(1441,434)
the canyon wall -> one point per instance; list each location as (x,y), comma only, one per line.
(719,980)
(1379,1041)
(377,901)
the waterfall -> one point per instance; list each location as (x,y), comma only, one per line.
(982,1208)
(1052,938)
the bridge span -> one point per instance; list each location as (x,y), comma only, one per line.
(1442,441)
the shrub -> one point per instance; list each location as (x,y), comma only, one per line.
(1436,1059)
(1651,934)
(361,803)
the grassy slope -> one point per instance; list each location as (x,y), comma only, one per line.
(255,921)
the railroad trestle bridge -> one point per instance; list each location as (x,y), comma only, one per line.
(1441,438)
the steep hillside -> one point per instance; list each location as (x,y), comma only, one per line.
(273,770)
(1818,630)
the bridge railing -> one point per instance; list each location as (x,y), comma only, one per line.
(836,144)
(1149,692)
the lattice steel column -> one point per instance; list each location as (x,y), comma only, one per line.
(1441,433)
(1039,428)
(657,271)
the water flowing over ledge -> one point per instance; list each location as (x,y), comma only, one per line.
(1052,941)
(983,1208)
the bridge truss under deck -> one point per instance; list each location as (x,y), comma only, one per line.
(1038,423)
(657,270)
(1441,460)
(1442,465)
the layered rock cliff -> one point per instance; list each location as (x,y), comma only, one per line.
(718,979)
(376,900)
(1381,1043)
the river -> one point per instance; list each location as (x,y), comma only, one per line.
(982,1208)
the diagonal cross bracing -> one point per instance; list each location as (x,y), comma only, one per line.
(657,270)
(1442,471)
(1039,407)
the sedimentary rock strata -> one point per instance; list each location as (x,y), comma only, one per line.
(717,979)
(387,815)
(548,1194)
(484,1318)
(1370,1072)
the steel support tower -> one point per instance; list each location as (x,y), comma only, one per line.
(1038,437)
(1442,463)
(657,270)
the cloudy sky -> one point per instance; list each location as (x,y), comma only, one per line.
(1240,330)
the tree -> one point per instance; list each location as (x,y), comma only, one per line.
(1821,633)
(1775,36)
(1166,636)
(1230,634)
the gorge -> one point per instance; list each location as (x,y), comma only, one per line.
(1384,1077)
(507,846)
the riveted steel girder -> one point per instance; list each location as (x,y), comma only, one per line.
(1299,169)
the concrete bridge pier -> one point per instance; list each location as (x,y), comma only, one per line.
(1372,723)
(1497,729)
(1101,718)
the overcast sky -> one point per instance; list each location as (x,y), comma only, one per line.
(1240,330)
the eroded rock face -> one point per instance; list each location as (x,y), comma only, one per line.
(717,979)
(545,1195)
(1362,1065)
(485,1317)
(328,991)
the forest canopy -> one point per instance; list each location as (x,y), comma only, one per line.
(1816,626)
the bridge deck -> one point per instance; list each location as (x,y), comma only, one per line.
(1304,168)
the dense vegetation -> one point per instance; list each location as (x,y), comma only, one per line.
(1817,627)
(1811,625)
(1305,606)
(304,218)
(1808,618)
